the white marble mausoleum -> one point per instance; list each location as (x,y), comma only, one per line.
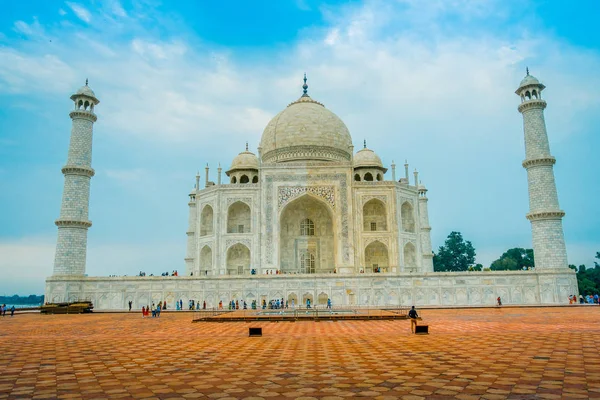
(307,217)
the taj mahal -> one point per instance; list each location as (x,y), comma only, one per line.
(307,217)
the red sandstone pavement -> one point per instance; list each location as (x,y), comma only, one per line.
(521,353)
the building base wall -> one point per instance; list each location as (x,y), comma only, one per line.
(438,288)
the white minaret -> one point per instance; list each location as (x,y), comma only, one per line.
(190,258)
(73,223)
(544,212)
(425,230)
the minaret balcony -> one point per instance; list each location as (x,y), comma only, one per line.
(532,104)
(78,170)
(83,114)
(69,223)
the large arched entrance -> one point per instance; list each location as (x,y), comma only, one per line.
(306,237)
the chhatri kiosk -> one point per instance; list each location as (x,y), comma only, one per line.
(306,217)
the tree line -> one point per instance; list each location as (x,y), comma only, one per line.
(458,254)
(16,299)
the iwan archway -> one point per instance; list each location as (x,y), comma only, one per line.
(306,237)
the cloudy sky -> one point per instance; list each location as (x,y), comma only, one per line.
(186,83)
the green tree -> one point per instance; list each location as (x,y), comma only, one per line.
(514,259)
(455,255)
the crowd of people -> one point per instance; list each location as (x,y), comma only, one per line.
(275,304)
(588,299)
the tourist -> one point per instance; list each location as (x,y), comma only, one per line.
(580,299)
(237,305)
(220,304)
(204,305)
(2,309)
(329,303)
(412,314)
(307,303)
(143,311)
(164,305)
(130,304)
(12,311)
(499,301)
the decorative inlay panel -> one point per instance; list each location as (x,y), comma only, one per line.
(247,200)
(382,239)
(245,242)
(383,198)
(287,193)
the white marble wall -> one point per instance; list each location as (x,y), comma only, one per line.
(434,289)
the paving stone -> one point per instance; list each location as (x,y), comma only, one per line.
(472,353)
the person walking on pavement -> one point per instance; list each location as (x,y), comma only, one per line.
(412,314)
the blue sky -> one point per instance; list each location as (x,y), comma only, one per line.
(186,83)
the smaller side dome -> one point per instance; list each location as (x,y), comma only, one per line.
(246,160)
(529,80)
(366,158)
(85,90)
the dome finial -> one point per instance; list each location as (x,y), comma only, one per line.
(246,146)
(527,70)
(364,143)
(86,81)
(305,87)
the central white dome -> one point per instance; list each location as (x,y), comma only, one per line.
(306,130)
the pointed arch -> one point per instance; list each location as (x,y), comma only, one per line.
(206,261)
(307,236)
(407,213)
(255,179)
(206,221)
(238,218)
(374,216)
(376,257)
(238,260)
(322,298)
(368,177)
(357,177)
(244,179)
(410,256)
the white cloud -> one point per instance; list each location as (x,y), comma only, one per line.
(25,263)
(33,30)
(400,77)
(81,12)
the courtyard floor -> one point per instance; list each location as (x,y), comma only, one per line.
(495,353)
